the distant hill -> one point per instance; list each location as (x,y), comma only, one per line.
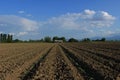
(112,37)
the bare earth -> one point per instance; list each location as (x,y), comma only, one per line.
(64,61)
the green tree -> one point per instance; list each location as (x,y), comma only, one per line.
(1,37)
(86,40)
(63,38)
(16,40)
(9,38)
(59,38)
(41,40)
(47,39)
(103,39)
(72,40)
(4,38)
(55,38)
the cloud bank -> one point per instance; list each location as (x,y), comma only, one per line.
(87,22)
(16,23)
(88,18)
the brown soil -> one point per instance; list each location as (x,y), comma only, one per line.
(67,61)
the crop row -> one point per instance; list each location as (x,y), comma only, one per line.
(106,66)
(14,65)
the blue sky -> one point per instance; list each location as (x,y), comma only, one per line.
(34,19)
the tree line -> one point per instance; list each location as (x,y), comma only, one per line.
(49,39)
(6,38)
(52,40)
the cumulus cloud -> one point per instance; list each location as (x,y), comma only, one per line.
(29,25)
(103,16)
(87,18)
(87,22)
(18,22)
(22,33)
(17,26)
(11,33)
(89,12)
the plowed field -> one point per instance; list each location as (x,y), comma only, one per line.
(64,61)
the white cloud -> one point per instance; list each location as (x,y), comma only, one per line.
(22,33)
(77,21)
(64,22)
(89,12)
(110,32)
(84,23)
(107,33)
(12,33)
(107,16)
(103,16)
(86,19)
(18,22)
(18,26)
(29,25)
